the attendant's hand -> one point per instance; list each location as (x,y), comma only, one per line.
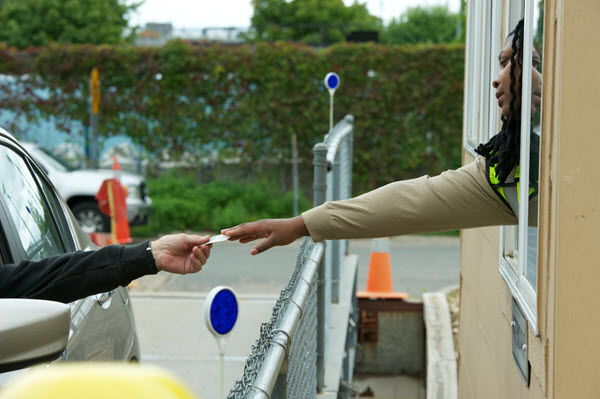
(276,231)
(180,253)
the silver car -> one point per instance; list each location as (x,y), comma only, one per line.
(79,186)
(35,222)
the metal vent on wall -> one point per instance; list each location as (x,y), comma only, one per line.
(519,341)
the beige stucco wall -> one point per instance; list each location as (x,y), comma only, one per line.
(486,368)
(565,358)
(572,221)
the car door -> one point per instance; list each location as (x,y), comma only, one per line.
(36,225)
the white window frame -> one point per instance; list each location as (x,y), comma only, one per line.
(513,268)
(481,122)
(482,36)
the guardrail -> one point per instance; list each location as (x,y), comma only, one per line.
(290,356)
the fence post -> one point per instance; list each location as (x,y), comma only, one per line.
(323,299)
(320,170)
(334,185)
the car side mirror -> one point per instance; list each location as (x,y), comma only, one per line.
(32,331)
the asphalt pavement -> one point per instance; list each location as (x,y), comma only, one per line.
(419,264)
(169,308)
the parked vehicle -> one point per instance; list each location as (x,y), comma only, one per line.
(35,222)
(79,186)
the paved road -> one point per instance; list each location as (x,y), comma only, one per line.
(419,264)
(173,336)
(170,320)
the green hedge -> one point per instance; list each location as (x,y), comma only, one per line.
(248,100)
(179,202)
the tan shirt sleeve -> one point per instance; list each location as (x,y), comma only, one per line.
(456,199)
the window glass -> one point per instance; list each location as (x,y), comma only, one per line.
(519,263)
(530,271)
(27,208)
(59,215)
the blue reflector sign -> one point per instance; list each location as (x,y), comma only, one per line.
(220,310)
(332,81)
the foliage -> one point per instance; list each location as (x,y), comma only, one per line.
(245,102)
(538,39)
(312,21)
(39,22)
(180,203)
(433,25)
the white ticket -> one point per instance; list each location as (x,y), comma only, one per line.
(219,238)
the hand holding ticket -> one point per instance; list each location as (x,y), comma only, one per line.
(274,231)
(218,238)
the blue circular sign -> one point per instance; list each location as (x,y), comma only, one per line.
(332,81)
(221,310)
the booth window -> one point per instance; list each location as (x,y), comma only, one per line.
(518,244)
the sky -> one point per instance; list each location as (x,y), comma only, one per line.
(237,13)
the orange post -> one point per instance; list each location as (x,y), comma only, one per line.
(116,165)
(120,224)
(101,239)
(112,202)
(379,279)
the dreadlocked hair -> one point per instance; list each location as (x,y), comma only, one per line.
(504,149)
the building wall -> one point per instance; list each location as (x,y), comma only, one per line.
(573,216)
(486,368)
(565,357)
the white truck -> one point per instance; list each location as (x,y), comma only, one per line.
(78,187)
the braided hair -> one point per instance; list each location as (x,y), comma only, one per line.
(504,149)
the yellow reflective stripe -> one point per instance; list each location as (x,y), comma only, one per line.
(493,177)
(494,180)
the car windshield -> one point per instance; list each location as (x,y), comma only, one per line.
(55,161)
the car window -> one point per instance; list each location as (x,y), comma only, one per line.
(26,206)
(54,160)
(59,215)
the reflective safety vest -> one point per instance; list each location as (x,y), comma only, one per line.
(509,190)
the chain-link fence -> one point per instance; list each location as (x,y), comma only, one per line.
(265,370)
(288,359)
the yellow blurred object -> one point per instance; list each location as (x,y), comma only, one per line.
(96,381)
(95,91)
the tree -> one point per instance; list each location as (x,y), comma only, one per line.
(431,25)
(312,21)
(39,22)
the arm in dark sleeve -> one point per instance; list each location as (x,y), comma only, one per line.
(73,276)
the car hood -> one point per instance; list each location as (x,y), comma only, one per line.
(88,181)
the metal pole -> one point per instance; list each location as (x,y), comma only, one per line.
(335,244)
(323,300)
(220,343)
(320,170)
(295,171)
(330,112)
(94,141)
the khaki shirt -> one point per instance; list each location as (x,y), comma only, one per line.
(456,199)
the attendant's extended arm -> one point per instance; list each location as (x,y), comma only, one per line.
(456,199)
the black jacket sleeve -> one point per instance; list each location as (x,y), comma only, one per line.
(72,276)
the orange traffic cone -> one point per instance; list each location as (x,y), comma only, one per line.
(116,165)
(122,231)
(119,224)
(379,280)
(100,239)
